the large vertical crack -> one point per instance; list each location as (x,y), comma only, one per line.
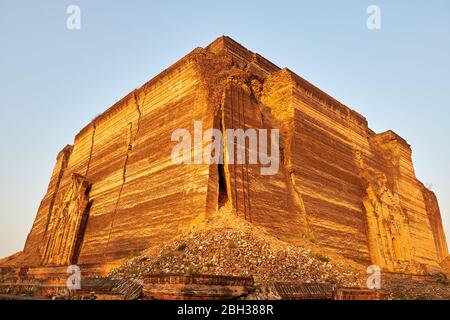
(241,126)
(298,200)
(222,194)
(262,97)
(222,179)
(124,178)
(131,144)
(92,148)
(82,230)
(236,204)
(247,159)
(139,111)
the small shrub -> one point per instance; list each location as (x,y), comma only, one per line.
(182,247)
(29,291)
(192,269)
(312,239)
(308,236)
(443,280)
(232,245)
(401,296)
(333,280)
(133,254)
(165,255)
(321,257)
(440,277)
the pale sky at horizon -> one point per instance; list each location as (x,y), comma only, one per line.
(53,81)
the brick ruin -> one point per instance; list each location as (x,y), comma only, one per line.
(115,190)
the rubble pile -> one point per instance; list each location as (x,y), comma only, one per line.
(238,250)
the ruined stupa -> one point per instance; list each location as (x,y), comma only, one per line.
(116,190)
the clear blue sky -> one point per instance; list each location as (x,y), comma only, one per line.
(53,81)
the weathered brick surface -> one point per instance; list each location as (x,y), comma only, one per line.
(350,189)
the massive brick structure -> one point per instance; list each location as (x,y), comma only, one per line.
(116,190)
